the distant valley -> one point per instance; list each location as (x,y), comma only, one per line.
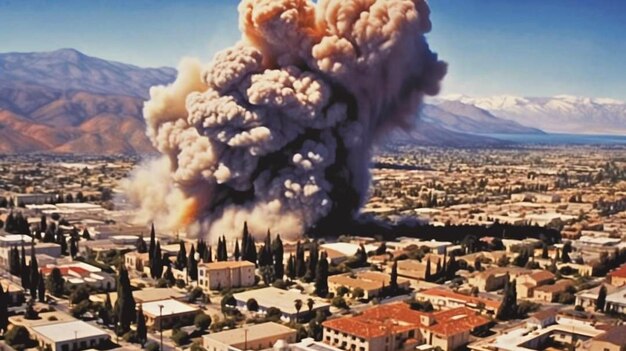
(67,102)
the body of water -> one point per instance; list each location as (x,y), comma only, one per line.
(561,139)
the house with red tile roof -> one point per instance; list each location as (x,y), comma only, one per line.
(396,327)
(618,276)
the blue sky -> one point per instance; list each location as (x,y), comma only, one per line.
(530,48)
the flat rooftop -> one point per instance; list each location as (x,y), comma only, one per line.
(279,298)
(254,332)
(170,306)
(64,331)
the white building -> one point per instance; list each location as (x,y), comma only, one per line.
(69,336)
(284,300)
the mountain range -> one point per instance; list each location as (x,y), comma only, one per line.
(67,102)
(557,114)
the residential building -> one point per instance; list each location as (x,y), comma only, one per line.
(372,283)
(587,298)
(613,339)
(550,293)
(284,300)
(136,262)
(78,273)
(226,274)
(616,301)
(69,336)
(494,278)
(250,337)
(618,276)
(443,299)
(526,284)
(166,313)
(397,327)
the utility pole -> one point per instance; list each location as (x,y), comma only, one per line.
(161,324)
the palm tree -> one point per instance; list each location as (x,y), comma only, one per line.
(298,305)
(310,303)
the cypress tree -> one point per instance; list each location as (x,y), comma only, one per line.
(245,236)
(60,238)
(567,248)
(4,310)
(34,271)
(152,246)
(278,253)
(156,264)
(237,253)
(142,332)
(299,261)
(141,245)
(43,224)
(87,235)
(314,256)
(125,303)
(209,255)
(601,300)
(24,270)
(192,265)
(427,273)
(73,247)
(181,258)
(321,276)
(291,267)
(14,261)
(41,288)
(393,277)
(169,276)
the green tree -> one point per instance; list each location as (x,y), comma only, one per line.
(393,278)
(252,305)
(202,321)
(18,337)
(237,253)
(567,248)
(278,253)
(192,264)
(125,303)
(41,288)
(508,307)
(156,264)
(291,267)
(321,276)
(310,303)
(152,247)
(4,309)
(601,300)
(55,283)
(181,258)
(142,332)
(80,294)
(298,305)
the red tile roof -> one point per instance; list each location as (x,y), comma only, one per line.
(399,317)
(619,272)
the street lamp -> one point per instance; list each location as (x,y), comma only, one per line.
(161,324)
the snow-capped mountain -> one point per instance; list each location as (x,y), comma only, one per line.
(557,114)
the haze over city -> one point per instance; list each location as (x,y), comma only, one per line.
(297,175)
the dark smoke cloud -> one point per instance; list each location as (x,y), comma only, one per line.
(278,129)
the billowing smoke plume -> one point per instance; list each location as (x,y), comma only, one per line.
(278,129)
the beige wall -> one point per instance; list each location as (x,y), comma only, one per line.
(216,279)
(256,344)
(603,345)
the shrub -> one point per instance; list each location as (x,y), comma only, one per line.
(202,321)
(17,336)
(339,302)
(180,283)
(252,305)
(152,346)
(342,291)
(358,293)
(180,337)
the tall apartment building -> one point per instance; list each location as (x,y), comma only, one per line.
(227,274)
